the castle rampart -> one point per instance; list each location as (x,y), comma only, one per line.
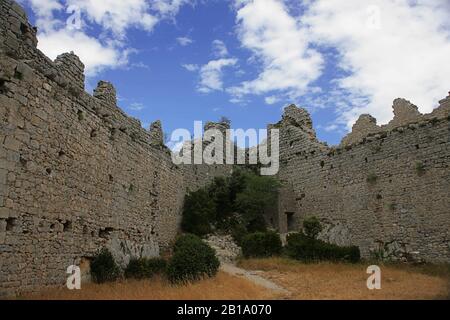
(78,174)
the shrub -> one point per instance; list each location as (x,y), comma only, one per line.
(145,268)
(260,193)
(312,227)
(220,193)
(198,213)
(302,247)
(211,208)
(261,244)
(192,259)
(104,268)
(238,232)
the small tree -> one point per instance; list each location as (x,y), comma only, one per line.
(198,213)
(220,193)
(260,192)
(312,227)
(104,268)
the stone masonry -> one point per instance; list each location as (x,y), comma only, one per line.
(385,188)
(78,174)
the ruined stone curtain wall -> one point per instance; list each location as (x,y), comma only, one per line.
(76,174)
(384,188)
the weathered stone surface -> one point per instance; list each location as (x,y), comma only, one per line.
(77,174)
(384,184)
(156,134)
(365,125)
(125,250)
(226,249)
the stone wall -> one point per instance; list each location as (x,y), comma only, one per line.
(385,188)
(76,173)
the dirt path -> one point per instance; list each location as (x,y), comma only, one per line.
(253,277)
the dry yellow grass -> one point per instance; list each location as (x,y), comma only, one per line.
(346,281)
(304,281)
(221,287)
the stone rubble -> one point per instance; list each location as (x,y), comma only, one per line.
(226,249)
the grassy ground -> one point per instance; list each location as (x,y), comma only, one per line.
(348,281)
(221,287)
(303,281)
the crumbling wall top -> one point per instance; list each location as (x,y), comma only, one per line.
(71,67)
(156,134)
(404,112)
(222,126)
(444,108)
(365,125)
(105,91)
(297,116)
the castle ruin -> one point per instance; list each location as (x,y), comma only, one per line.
(78,174)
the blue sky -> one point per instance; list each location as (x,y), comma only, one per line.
(185,60)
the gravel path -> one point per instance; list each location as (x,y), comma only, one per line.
(253,277)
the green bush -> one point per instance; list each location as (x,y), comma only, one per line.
(198,213)
(259,194)
(192,259)
(104,268)
(261,244)
(312,227)
(145,268)
(305,248)
(238,232)
(214,207)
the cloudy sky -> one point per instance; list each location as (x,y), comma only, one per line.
(186,60)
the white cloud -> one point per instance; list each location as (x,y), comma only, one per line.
(117,15)
(169,8)
(279,44)
(390,49)
(109,48)
(136,106)
(190,67)
(387,49)
(184,41)
(211,74)
(219,49)
(94,55)
(272,99)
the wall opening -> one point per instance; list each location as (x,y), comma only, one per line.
(3,89)
(290,221)
(10,224)
(67,226)
(105,233)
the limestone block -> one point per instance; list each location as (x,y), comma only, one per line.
(125,250)
(4,212)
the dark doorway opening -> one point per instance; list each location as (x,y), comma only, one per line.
(290,221)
